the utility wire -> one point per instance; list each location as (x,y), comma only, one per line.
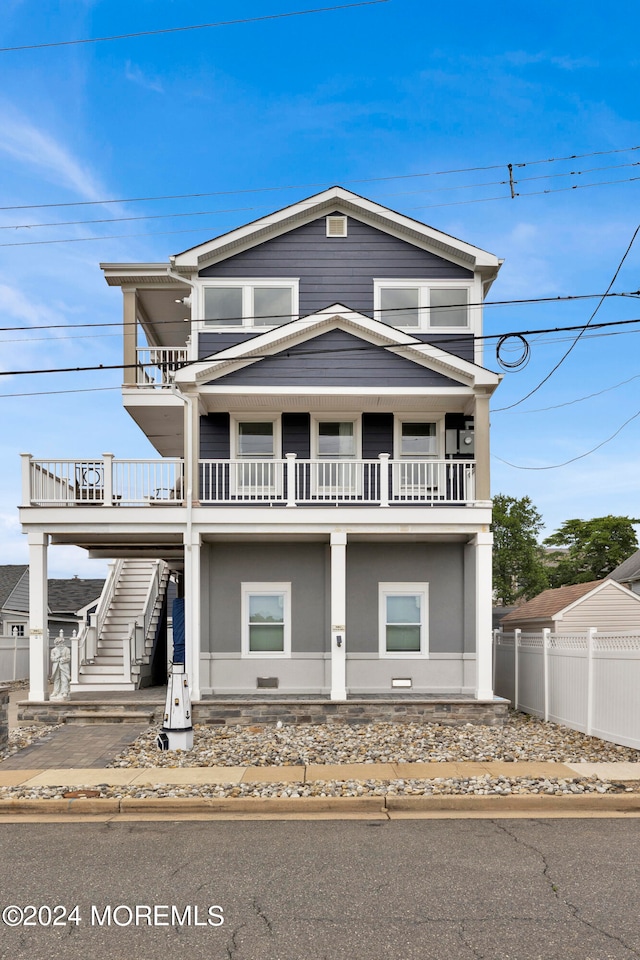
(580,334)
(555,466)
(282,355)
(322,183)
(429,206)
(206,213)
(386,310)
(196,26)
(570,403)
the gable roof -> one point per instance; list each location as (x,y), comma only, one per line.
(10,575)
(340,317)
(338,200)
(554,603)
(65,596)
(549,603)
(628,570)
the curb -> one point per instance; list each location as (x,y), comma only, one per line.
(309,806)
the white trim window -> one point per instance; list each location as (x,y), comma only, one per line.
(248,303)
(266,619)
(418,445)
(336,444)
(423,305)
(255,439)
(403,620)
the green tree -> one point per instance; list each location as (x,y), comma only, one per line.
(592,548)
(518,567)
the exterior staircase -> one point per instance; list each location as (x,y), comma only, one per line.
(114,651)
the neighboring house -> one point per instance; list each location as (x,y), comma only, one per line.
(628,572)
(68,607)
(603,604)
(314,383)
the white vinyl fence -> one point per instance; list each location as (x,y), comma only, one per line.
(14,657)
(588,681)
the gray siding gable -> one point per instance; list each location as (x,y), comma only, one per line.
(336,358)
(336,269)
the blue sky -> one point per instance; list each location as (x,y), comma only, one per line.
(390,90)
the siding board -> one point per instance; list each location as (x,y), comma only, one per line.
(336,269)
(336,358)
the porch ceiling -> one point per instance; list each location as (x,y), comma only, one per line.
(335,401)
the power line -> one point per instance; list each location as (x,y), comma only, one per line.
(283,355)
(196,26)
(429,206)
(51,393)
(555,466)
(570,403)
(322,183)
(386,310)
(206,213)
(580,334)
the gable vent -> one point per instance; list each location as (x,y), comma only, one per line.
(336,226)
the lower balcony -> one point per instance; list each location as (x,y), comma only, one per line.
(289,482)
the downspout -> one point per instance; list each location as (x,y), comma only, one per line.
(188,401)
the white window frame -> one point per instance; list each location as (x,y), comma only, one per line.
(399,419)
(270,589)
(424,287)
(20,627)
(318,418)
(386,589)
(247,285)
(235,419)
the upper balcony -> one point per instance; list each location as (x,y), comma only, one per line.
(290,482)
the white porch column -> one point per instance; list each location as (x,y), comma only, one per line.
(191,448)
(192,616)
(484,685)
(482,452)
(38,617)
(338,616)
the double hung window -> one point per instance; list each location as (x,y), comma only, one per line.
(255,446)
(403,619)
(335,445)
(418,448)
(266,619)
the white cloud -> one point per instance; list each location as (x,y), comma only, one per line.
(135,74)
(20,140)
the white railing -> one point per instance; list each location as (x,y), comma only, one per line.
(102,482)
(382,482)
(586,681)
(289,481)
(435,481)
(156,366)
(247,481)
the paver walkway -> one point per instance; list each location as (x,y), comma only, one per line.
(93,745)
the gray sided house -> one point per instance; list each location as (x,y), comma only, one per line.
(70,601)
(314,385)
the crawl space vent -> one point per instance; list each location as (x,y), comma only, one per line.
(267,682)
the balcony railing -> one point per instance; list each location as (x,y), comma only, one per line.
(382,482)
(156,366)
(288,482)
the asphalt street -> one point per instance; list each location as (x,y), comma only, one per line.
(522,889)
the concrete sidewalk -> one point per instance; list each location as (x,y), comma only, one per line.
(204,776)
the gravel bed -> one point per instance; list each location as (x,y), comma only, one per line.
(520,738)
(441,786)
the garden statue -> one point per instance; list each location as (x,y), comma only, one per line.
(61,670)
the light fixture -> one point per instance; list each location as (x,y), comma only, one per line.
(185,300)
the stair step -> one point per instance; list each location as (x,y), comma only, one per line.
(110,716)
